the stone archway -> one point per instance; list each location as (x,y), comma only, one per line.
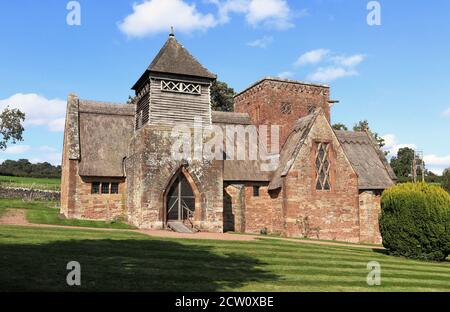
(182,199)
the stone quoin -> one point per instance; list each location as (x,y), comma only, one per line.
(117,160)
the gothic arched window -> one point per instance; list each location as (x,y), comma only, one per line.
(323,167)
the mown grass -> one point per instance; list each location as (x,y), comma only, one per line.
(47,212)
(35,183)
(36,259)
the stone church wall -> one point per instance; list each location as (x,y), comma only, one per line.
(150,168)
(370,209)
(331,215)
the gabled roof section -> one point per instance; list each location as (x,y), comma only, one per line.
(369,162)
(291,148)
(173,58)
(105,130)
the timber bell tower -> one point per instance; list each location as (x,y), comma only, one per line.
(174,89)
(163,188)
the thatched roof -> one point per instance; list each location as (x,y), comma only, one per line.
(291,148)
(105,131)
(369,162)
(231,118)
(245,170)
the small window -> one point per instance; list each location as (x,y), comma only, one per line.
(256,189)
(323,167)
(105,188)
(286,108)
(95,188)
(181,87)
(114,188)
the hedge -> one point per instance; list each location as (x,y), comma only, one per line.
(415,221)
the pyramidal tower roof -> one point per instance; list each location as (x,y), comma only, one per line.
(173,58)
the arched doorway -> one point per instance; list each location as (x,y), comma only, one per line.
(180,200)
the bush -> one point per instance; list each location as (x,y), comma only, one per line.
(446,180)
(415,221)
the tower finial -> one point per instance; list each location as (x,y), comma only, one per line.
(172,34)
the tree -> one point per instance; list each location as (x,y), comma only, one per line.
(339,126)
(363,126)
(222,97)
(446,180)
(24,168)
(403,162)
(11,128)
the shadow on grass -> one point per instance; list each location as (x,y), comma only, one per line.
(126,265)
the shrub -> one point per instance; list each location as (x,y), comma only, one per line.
(446,180)
(415,221)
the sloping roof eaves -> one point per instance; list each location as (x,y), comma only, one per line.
(366,159)
(291,148)
(231,118)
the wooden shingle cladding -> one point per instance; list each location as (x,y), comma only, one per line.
(142,111)
(171,108)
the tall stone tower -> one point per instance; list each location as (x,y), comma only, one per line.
(174,90)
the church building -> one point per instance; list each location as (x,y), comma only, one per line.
(118,159)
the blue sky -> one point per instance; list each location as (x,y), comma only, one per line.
(396,75)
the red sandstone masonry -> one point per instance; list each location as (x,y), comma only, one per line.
(263,102)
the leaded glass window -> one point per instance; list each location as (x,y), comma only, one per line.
(323,167)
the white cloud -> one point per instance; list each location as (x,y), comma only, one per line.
(286,75)
(349,61)
(434,163)
(52,158)
(155,16)
(339,65)
(268,13)
(312,57)
(39,111)
(263,42)
(446,113)
(392,146)
(47,149)
(272,13)
(437,164)
(17,149)
(326,74)
(434,160)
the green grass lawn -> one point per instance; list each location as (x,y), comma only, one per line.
(36,259)
(37,183)
(47,212)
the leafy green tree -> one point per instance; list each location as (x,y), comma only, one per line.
(222,97)
(403,162)
(446,180)
(339,126)
(24,168)
(363,126)
(11,128)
